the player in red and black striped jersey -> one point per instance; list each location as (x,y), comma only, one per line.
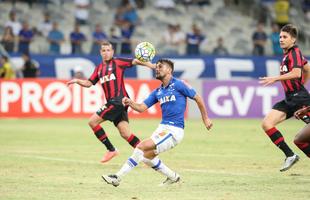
(110,74)
(302,139)
(296,96)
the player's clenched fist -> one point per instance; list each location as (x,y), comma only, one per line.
(126,101)
(208,123)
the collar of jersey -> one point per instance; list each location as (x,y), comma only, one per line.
(171,81)
(294,46)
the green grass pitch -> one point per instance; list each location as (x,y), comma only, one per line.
(59,159)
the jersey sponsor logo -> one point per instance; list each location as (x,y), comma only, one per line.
(103,108)
(167,99)
(283,68)
(240,99)
(107,78)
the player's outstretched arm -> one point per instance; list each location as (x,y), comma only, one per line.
(206,120)
(140,107)
(147,64)
(295,73)
(267,80)
(81,82)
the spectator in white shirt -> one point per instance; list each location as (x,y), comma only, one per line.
(173,39)
(13,23)
(81,11)
(165,4)
(46,26)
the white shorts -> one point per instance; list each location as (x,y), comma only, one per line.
(166,137)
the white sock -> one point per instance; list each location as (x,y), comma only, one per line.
(159,166)
(132,162)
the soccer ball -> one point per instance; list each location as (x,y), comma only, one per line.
(145,51)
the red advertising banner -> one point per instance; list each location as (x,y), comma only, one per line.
(53,98)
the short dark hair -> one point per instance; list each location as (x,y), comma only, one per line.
(106,43)
(167,61)
(290,29)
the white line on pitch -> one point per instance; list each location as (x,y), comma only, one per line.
(58,159)
(92,162)
(208,171)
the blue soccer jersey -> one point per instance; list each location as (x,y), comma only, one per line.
(172,99)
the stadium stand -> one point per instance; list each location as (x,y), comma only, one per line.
(233,22)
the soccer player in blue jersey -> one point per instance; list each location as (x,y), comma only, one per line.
(171,95)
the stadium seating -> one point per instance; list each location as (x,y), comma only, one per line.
(215,20)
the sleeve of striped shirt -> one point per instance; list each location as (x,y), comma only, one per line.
(94,78)
(124,62)
(297,58)
(304,61)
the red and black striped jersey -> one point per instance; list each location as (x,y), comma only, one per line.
(293,59)
(111,76)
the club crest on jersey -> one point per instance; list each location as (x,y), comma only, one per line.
(167,99)
(159,91)
(171,87)
(107,78)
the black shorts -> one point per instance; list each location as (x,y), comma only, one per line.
(114,112)
(293,102)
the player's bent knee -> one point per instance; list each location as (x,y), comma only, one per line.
(297,140)
(142,146)
(92,124)
(266,125)
(149,155)
(124,134)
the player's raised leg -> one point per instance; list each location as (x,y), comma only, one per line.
(136,157)
(159,166)
(273,118)
(132,162)
(124,130)
(94,123)
(163,139)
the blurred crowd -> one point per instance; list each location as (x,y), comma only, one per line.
(18,35)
